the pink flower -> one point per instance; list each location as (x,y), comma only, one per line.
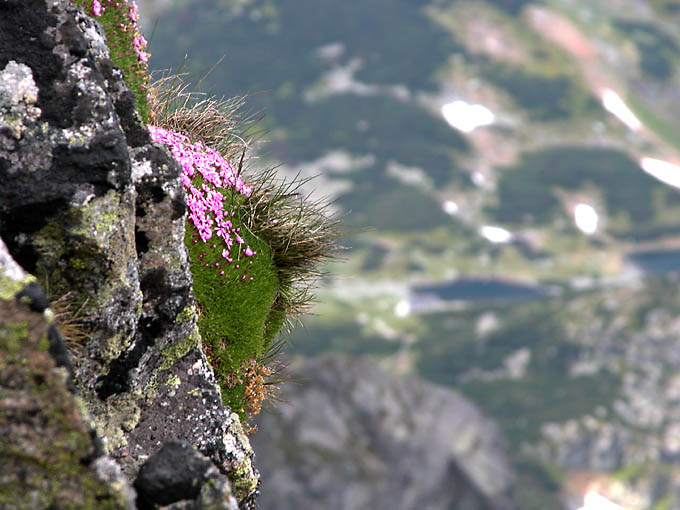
(134,16)
(248,252)
(140,44)
(97,8)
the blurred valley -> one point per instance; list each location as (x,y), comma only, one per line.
(509,171)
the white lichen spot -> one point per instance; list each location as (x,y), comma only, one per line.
(8,267)
(17,85)
(18,95)
(141,169)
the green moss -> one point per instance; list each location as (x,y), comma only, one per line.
(62,263)
(50,450)
(11,335)
(275,321)
(43,343)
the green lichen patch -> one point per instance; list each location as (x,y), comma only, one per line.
(9,286)
(242,474)
(187,314)
(84,244)
(120,415)
(244,481)
(173,382)
(176,351)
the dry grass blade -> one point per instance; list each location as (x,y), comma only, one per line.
(68,315)
(219,123)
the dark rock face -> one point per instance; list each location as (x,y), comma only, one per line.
(159,481)
(352,436)
(92,207)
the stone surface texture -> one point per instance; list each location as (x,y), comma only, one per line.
(50,455)
(95,210)
(349,435)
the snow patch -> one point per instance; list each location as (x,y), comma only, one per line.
(666,172)
(586,218)
(467,117)
(613,103)
(496,235)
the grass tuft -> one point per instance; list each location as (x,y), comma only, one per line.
(70,319)
(301,233)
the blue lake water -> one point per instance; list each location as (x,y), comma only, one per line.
(656,262)
(488,288)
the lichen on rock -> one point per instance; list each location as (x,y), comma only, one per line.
(49,454)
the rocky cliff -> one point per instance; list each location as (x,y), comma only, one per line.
(96,212)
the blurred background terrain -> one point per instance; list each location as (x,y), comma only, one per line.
(510,171)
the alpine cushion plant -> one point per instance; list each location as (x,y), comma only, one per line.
(235,280)
(286,235)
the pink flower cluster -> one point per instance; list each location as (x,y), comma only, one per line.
(206,202)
